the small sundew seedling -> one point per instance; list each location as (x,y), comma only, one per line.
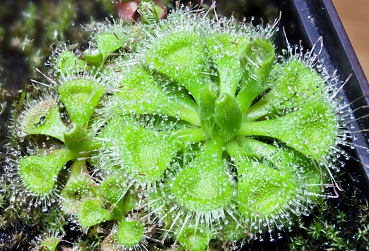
(49,241)
(184,132)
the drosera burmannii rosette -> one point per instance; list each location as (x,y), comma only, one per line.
(188,131)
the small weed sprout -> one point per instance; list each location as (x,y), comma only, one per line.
(185,131)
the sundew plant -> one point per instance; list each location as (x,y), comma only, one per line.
(189,132)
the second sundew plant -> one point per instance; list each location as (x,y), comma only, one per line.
(188,132)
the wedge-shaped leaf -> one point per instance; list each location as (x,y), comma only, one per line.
(114,187)
(203,185)
(295,84)
(39,173)
(311,130)
(93,57)
(77,139)
(206,105)
(257,61)
(68,63)
(131,201)
(270,178)
(183,58)
(225,50)
(80,97)
(227,113)
(140,93)
(79,188)
(50,243)
(142,152)
(310,174)
(264,191)
(129,233)
(195,238)
(110,41)
(148,153)
(92,213)
(44,118)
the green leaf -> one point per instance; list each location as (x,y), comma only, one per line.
(311,130)
(77,140)
(93,57)
(143,152)
(225,50)
(207,98)
(189,135)
(227,113)
(131,201)
(180,98)
(182,58)
(92,213)
(263,191)
(129,233)
(80,96)
(39,173)
(195,238)
(140,93)
(294,85)
(232,229)
(287,173)
(44,118)
(79,188)
(147,153)
(68,63)
(114,187)
(147,10)
(110,41)
(257,61)
(203,185)
(50,243)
